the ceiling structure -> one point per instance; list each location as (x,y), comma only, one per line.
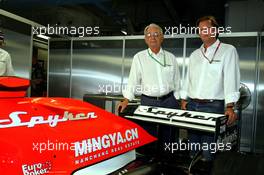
(114,16)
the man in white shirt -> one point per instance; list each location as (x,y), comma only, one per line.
(6,68)
(155,72)
(213,78)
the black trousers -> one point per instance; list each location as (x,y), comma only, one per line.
(169,102)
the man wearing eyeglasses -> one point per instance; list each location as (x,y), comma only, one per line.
(213,78)
(6,68)
(156,71)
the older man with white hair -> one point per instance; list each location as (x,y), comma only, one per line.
(6,68)
(156,71)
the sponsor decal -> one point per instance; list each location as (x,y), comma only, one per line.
(229,137)
(170,114)
(37,168)
(188,119)
(52,120)
(96,147)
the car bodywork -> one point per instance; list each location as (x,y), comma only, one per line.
(61,135)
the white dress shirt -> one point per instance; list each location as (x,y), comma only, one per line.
(219,80)
(153,75)
(6,68)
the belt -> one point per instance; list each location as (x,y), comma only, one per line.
(159,98)
(204,100)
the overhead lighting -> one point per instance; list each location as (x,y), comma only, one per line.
(124,32)
(43,37)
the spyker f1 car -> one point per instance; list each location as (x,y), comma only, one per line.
(61,135)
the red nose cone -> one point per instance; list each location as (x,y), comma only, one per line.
(13,87)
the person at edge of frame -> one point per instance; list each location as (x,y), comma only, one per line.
(6,68)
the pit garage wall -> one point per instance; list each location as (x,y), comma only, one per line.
(88,65)
(59,68)
(18,41)
(259,119)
